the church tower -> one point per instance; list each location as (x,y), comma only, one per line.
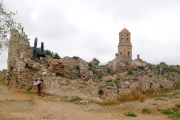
(124,46)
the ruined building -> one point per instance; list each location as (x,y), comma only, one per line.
(124,46)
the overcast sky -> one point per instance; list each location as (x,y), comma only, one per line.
(90,28)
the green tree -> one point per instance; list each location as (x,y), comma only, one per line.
(96,61)
(7,22)
(56,56)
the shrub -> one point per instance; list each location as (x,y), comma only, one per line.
(150,75)
(110,80)
(56,56)
(96,61)
(75,57)
(117,78)
(99,77)
(79,76)
(74,100)
(76,67)
(161,86)
(130,114)
(70,78)
(35,69)
(108,70)
(175,115)
(166,111)
(90,64)
(2,82)
(129,72)
(146,110)
(101,91)
(177,84)
(150,85)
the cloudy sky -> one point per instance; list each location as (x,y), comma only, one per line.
(90,28)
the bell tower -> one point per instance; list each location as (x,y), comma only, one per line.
(124,46)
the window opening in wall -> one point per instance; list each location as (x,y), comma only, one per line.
(121,39)
(127,39)
(128,53)
(127,35)
(120,52)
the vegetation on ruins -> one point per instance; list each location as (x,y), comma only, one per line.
(7,22)
(101,91)
(90,65)
(75,57)
(117,78)
(77,67)
(130,72)
(50,53)
(96,61)
(2,81)
(110,80)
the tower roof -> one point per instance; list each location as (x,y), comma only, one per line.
(125,30)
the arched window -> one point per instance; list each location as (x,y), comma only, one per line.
(127,39)
(122,40)
(120,52)
(128,53)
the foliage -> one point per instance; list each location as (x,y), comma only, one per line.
(74,100)
(35,69)
(174,112)
(50,53)
(161,86)
(110,80)
(130,114)
(177,84)
(56,56)
(96,61)
(117,78)
(28,90)
(79,76)
(171,68)
(75,57)
(90,65)
(146,110)
(150,75)
(99,74)
(7,23)
(70,78)
(101,91)
(150,85)
(108,70)
(130,72)
(2,82)
(77,67)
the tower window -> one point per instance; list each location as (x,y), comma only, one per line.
(122,40)
(120,52)
(128,53)
(127,39)
(127,35)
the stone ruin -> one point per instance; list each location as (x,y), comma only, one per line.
(74,78)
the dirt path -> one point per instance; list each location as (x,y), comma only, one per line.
(19,106)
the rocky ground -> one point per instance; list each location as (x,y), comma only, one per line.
(16,105)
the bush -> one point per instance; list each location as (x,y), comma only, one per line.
(129,72)
(99,75)
(70,78)
(117,78)
(166,111)
(2,82)
(108,70)
(150,75)
(79,76)
(101,91)
(75,57)
(130,114)
(90,65)
(96,61)
(110,80)
(161,86)
(150,85)
(56,56)
(76,67)
(35,69)
(146,110)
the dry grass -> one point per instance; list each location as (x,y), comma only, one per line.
(136,95)
(109,102)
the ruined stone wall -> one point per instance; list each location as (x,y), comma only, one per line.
(119,64)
